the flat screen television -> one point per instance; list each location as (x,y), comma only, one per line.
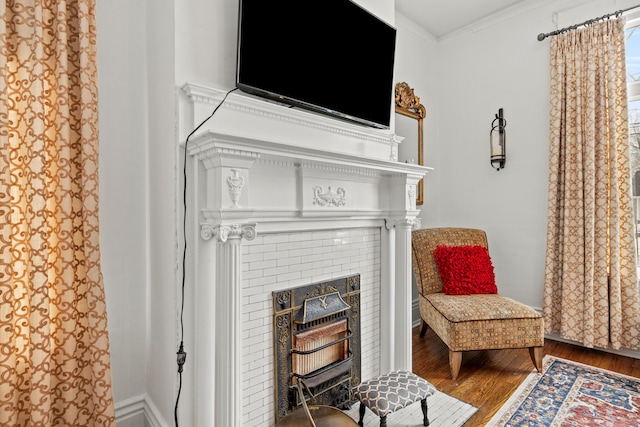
(329,56)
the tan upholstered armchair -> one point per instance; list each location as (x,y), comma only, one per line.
(470,322)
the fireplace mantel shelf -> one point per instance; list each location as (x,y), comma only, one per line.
(235,144)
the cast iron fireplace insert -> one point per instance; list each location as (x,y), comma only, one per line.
(317,339)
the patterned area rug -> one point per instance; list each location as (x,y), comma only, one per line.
(571,394)
(443,411)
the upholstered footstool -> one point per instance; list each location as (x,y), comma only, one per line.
(391,392)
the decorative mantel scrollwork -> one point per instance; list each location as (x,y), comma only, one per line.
(411,193)
(228,232)
(413,224)
(329,198)
(235,182)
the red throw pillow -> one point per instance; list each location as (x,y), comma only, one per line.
(465,270)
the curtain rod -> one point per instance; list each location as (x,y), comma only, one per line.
(543,36)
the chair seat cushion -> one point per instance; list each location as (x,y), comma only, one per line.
(482,322)
(465,308)
(390,392)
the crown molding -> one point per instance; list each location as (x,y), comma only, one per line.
(496,18)
(415,28)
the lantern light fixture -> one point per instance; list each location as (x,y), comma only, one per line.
(498,140)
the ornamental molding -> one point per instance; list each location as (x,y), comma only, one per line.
(224,233)
(277,162)
(329,198)
(334,169)
(411,193)
(249,104)
(412,223)
(394,147)
(204,152)
(235,182)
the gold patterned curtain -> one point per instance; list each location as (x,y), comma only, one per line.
(591,290)
(54,346)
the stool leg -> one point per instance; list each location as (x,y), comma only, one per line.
(423,402)
(362,409)
(383,421)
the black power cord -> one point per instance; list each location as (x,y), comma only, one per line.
(181,354)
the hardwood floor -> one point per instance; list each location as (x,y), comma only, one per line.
(488,378)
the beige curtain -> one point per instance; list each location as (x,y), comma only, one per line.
(591,291)
(54,347)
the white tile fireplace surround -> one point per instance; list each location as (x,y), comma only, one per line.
(277,198)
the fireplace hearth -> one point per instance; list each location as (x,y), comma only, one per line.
(317,340)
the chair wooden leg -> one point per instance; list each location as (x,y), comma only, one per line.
(424,328)
(455,359)
(536,357)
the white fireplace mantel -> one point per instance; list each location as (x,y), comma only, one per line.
(260,168)
(259,179)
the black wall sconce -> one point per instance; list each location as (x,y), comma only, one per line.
(498,139)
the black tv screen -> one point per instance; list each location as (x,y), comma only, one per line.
(329,56)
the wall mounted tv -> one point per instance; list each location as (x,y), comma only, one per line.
(329,56)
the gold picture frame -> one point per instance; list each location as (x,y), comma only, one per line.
(409,108)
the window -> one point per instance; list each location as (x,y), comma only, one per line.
(633,82)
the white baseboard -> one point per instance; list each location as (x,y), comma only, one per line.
(130,412)
(139,411)
(622,352)
(415,313)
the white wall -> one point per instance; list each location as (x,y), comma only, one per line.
(163,215)
(147,49)
(123,189)
(500,64)
(138,165)
(416,64)
(205,38)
